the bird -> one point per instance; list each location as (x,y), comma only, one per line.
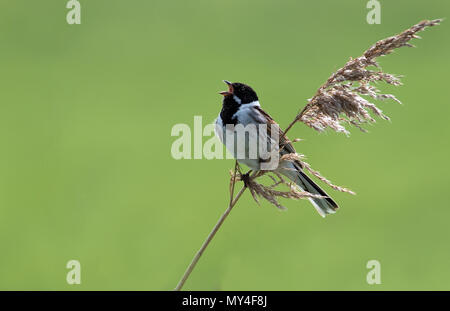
(241,107)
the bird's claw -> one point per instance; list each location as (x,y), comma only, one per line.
(246,178)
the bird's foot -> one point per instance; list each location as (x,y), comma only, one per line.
(246,178)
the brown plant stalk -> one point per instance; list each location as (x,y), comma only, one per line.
(337,102)
(213,232)
(340,99)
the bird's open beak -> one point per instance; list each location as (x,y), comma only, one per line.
(230,89)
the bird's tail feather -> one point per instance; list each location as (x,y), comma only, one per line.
(323,206)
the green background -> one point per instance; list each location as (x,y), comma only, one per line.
(86,172)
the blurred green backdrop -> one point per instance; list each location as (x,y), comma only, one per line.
(86,113)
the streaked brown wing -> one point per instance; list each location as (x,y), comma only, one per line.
(283,140)
(284,143)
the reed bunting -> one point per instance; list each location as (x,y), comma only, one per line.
(241,109)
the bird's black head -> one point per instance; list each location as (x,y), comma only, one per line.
(239,93)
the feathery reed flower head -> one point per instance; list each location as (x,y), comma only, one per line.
(339,101)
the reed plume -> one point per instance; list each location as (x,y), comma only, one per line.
(339,101)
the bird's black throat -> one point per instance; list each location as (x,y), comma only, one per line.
(229,108)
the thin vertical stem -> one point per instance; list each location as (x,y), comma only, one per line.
(214,230)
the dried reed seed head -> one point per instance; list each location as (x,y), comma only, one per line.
(268,193)
(339,96)
(386,46)
(295,157)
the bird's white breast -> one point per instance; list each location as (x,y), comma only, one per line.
(246,113)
